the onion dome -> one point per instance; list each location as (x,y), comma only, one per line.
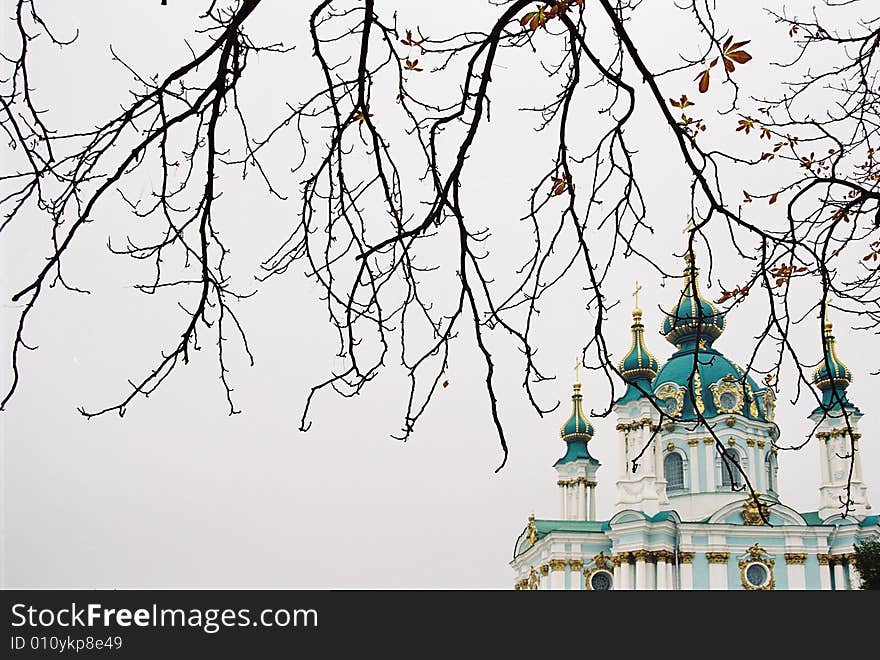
(638,364)
(832,373)
(577,431)
(577,427)
(693,317)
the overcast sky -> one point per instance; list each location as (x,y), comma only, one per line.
(179,494)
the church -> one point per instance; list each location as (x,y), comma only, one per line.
(685,517)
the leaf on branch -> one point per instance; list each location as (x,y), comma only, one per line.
(746,124)
(793,30)
(738,292)
(360,116)
(409,40)
(559,185)
(784,272)
(681,103)
(445,383)
(704,81)
(773,198)
(535,19)
(412,65)
(731,53)
(747,197)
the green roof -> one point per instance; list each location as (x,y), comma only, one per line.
(545,527)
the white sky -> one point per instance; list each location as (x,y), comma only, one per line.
(178,494)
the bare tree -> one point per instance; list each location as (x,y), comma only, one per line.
(375,243)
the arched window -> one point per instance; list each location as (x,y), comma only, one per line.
(730,476)
(673,471)
(770,466)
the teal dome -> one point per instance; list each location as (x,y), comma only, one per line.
(720,387)
(693,317)
(577,432)
(578,427)
(638,364)
(838,376)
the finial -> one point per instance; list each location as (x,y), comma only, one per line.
(577,373)
(828,324)
(637,311)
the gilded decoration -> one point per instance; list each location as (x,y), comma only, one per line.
(545,569)
(709,441)
(824,559)
(672,397)
(750,442)
(754,512)
(531,530)
(795,557)
(728,395)
(603,561)
(698,392)
(637,424)
(693,442)
(757,555)
(576,564)
(641,555)
(717,557)
(686,557)
(761,444)
(769,405)
(533,580)
(730,421)
(731,442)
(626,557)
(670,446)
(557,564)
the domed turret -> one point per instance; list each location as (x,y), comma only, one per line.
(693,317)
(831,374)
(638,364)
(577,430)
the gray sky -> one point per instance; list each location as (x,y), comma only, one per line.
(178,494)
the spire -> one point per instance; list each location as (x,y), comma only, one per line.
(577,430)
(693,317)
(831,374)
(638,363)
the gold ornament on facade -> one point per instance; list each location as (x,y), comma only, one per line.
(640,555)
(531,530)
(576,564)
(557,564)
(824,558)
(795,557)
(603,561)
(698,392)
(533,579)
(754,512)
(693,442)
(686,557)
(626,557)
(757,555)
(750,442)
(717,557)
(727,385)
(669,392)
(730,420)
(709,441)
(545,569)
(761,444)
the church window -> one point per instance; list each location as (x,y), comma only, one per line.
(770,464)
(730,475)
(600,581)
(757,574)
(673,471)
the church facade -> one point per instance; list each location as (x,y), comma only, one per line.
(697,504)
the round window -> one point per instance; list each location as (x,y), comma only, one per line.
(729,400)
(670,404)
(600,581)
(757,575)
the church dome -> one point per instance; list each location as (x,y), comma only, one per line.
(577,431)
(832,373)
(638,364)
(577,427)
(693,317)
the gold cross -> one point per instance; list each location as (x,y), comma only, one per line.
(636,292)
(577,369)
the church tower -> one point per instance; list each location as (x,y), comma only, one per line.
(576,471)
(640,485)
(837,421)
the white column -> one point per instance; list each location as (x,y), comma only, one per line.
(670,574)
(824,575)
(592,501)
(557,575)
(641,571)
(759,475)
(709,451)
(662,577)
(686,569)
(717,576)
(625,574)
(579,494)
(693,469)
(823,456)
(624,472)
(855,581)
(651,567)
(797,576)
(839,575)
(857,466)
(562,511)
(618,576)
